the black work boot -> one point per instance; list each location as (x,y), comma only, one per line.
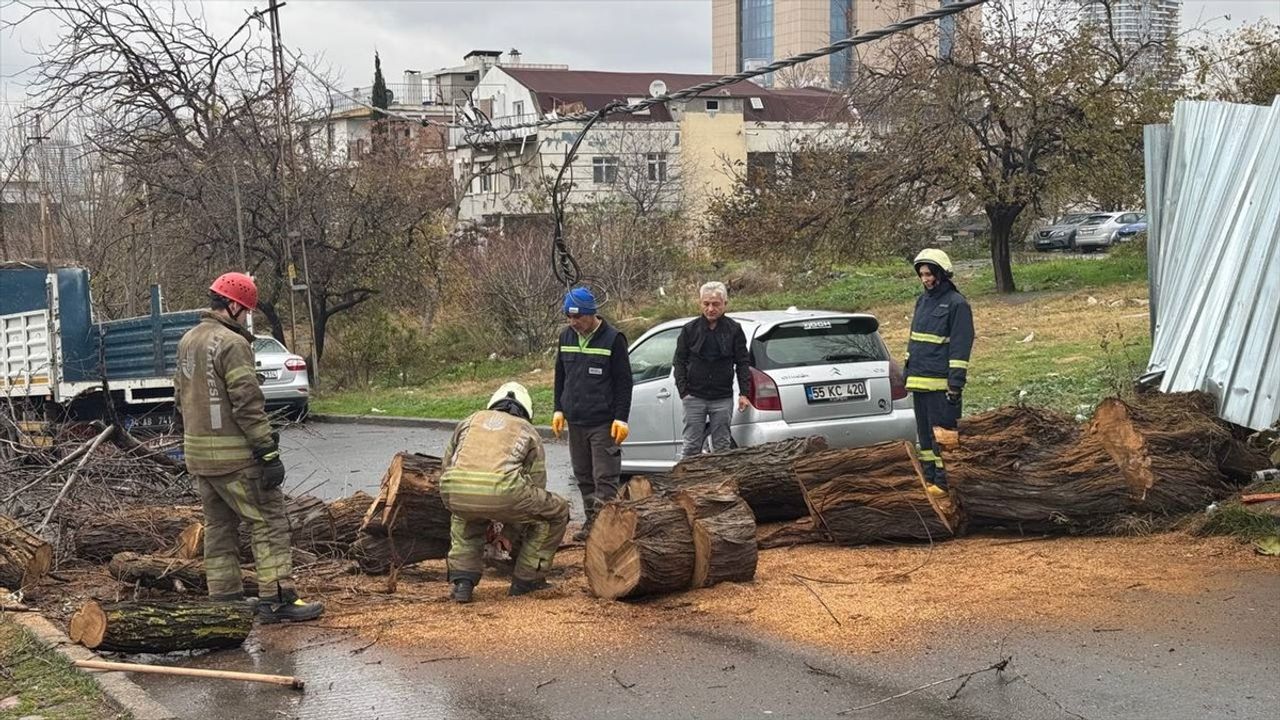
(524,587)
(286,606)
(233,598)
(462,589)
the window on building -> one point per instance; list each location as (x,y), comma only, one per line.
(486,181)
(633,101)
(517,182)
(713,105)
(657,167)
(604,170)
(517,108)
(469,78)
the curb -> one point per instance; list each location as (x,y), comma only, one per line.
(398,421)
(120,691)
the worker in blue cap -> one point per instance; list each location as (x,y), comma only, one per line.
(592,400)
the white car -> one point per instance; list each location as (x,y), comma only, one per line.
(282,375)
(813,373)
(1103,229)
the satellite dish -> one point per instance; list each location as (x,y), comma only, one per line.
(657,88)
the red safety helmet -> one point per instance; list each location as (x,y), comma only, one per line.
(237,287)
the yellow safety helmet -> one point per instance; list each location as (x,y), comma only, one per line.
(933,256)
(513,391)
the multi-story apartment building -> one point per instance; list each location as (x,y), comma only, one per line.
(1138,23)
(751,33)
(669,156)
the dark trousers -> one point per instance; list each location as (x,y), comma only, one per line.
(597,463)
(933,409)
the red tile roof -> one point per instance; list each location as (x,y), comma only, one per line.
(595,89)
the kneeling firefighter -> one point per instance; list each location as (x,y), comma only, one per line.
(495,470)
(937,359)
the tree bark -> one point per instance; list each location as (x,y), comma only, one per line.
(724,535)
(154,627)
(348,514)
(166,573)
(872,494)
(1002,217)
(24,558)
(796,532)
(407,522)
(143,529)
(639,547)
(763,474)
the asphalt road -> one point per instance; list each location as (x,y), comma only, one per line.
(1212,655)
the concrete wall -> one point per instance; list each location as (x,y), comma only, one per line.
(708,142)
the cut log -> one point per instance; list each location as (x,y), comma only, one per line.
(1036,470)
(168,573)
(190,545)
(407,522)
(310,526)
(348,514)
(762,472)
(24,558)
(145,529)
(153,627)
(724,535)
(797,532)
(378,554)
(637,488)
(639,547)
(872,494)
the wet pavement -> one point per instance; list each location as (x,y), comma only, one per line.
(1211,655)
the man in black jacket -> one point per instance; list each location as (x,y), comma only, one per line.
(711,349)
(593,400)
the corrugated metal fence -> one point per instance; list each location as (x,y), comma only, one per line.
(1213,202)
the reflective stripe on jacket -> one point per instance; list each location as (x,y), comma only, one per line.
(941,340)
(491,457)
(224,417)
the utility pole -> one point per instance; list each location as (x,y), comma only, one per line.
(235,187)
(284,133)
(45,241)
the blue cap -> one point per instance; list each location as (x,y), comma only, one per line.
(579,301)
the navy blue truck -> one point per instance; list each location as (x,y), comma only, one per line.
(56,359)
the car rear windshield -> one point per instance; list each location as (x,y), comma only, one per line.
(1097,219)
(267,345)
(819,341)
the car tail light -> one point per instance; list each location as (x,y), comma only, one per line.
(295,364)
(763,392)
(897,383)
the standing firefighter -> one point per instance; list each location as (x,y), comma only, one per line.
(495,470)
(937,359)
(232,454)
(593,399)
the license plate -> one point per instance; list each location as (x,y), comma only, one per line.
(836,392)
(269,374)
(151,421)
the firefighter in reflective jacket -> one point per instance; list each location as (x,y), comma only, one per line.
(496,470)
(937,360)
(232,454)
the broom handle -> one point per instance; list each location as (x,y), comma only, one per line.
(287,680)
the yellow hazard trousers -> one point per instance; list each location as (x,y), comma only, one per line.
(541,516)
(228,500)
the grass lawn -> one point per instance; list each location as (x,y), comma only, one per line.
(44,682)
(1086,320)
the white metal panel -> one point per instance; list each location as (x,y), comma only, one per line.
(1214,199)
(24,351)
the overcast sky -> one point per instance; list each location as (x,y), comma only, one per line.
(671,35)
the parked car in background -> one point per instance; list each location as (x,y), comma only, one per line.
(1133,228)
(1102,230)
(813,373)
(283,376)
(1058,236)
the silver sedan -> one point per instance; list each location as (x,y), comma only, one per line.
(283,376)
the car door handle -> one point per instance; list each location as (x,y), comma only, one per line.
(663,394)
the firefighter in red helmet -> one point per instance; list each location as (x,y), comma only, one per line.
(232,454)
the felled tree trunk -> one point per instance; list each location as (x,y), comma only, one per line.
(348,514)
(796,532)
(1037,470)
(168,573)
(155,627)
(871,494)
(310,526)
(140,529)
(762,472)
(639,547)
(24,558)
(724,535)
(407,522)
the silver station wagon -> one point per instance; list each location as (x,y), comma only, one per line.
(813,373)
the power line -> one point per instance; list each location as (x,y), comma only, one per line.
(694,91)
